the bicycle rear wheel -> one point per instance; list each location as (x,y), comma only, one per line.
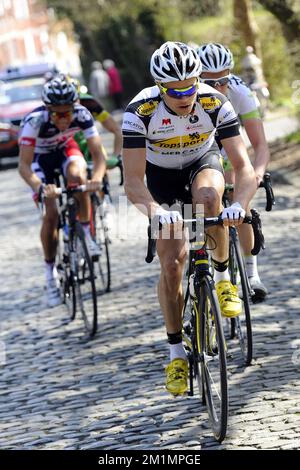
(85,288)
(211,357)
(100,234)
(241,325)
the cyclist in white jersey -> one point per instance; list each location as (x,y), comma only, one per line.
(46,143)
(169,136)
(217,62)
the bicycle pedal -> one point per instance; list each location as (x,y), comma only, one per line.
(257,298)
(180,394)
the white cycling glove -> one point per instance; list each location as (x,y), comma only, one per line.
(167,217)
(235,212)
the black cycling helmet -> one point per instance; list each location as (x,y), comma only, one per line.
(59,91)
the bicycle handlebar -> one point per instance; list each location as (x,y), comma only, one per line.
(254,220)
(267,184)
(77,189)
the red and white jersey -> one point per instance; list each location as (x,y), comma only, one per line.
(38,130)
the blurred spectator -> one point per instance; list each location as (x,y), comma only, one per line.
(99,81)
(49,76)
(252,67)
(115,84)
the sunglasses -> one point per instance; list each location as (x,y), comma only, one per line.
(61,114)
(179,92)
(216,81)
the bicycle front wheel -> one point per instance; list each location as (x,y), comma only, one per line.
(102,265)
(86,295)
(241,325)
(66,276)
(211,349)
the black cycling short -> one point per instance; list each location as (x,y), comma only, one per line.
(45,164)
(168,185)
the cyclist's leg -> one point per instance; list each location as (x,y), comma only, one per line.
(49,233)
(75,171)
(166,186)
(207,187)
(246,237)
(172,255)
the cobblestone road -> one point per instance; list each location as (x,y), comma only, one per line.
(60,391)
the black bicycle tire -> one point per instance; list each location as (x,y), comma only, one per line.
(219,426)
(107,286)
(245,299)
(96,213)
(66,277)
(92,326)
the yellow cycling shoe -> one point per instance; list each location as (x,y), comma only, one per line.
(177,375)
(230,303)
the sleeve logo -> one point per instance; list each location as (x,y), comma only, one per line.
(84,115)
(210,103)
(146,109)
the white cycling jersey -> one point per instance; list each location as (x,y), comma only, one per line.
(242,99)
(174,141)
(244,103)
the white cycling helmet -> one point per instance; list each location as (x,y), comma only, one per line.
(215,57)
(59,91)
(174,61)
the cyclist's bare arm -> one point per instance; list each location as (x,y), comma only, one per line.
(112,126)
(99,166)
(134,161)
(256,134)
(245,182)
(26,154)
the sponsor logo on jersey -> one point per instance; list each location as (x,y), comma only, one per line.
(131,124)
(166,122)
(164,130)
(83,115)
(189,140)
(210,103)
(36,121)
(30,142)
(148,108)
(194,127)
(193,119)
(229,113)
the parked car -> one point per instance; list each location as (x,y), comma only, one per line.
(20,92)
(8,139)
(18,98)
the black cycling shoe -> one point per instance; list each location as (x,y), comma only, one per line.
(260,291)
